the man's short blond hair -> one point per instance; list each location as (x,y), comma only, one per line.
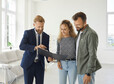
(39,18)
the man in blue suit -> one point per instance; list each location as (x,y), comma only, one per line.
(32,63)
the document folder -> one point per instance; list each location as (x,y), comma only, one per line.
(50,54)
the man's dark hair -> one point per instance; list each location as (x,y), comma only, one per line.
(81,15)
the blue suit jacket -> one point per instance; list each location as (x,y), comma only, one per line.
(28,43)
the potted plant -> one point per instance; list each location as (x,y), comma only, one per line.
(10,45)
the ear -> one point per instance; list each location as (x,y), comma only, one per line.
(84,23)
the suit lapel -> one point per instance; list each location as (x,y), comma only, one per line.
(33,36)
(43,38)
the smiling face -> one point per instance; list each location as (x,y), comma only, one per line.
(64,30)
(39,26)
(79,24)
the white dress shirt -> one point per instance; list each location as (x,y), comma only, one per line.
(37,42)
(77,43)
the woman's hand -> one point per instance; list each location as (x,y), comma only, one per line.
(59,65)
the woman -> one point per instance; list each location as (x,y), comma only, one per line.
(66,46)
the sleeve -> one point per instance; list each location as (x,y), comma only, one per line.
(58,48)
(24,45)
(92,49)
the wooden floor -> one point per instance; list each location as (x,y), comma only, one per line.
(103,76)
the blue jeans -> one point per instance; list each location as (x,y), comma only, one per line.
(68,68)
(80,78)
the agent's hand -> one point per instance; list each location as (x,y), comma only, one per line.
(86,79)
(50,59)
(59,65)
(40,46)
(43,46)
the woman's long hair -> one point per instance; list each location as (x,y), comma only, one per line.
(70,27)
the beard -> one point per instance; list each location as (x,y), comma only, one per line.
(39,31)
(80,28)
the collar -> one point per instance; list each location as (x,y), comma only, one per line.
(37,32)
(86,28)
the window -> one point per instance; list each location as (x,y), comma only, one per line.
(110,18)
(8,23)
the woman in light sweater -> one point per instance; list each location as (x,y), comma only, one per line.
(66,46)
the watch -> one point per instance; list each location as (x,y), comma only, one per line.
(88,74)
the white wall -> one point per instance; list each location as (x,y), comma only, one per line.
(20,20)
(54,11)
(0,26)
(24,14)
(29,13)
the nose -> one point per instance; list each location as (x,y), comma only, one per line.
(63,31)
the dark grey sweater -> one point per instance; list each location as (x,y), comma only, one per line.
(67,46)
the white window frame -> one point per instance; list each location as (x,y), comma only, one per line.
(12,13)
(108,13)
